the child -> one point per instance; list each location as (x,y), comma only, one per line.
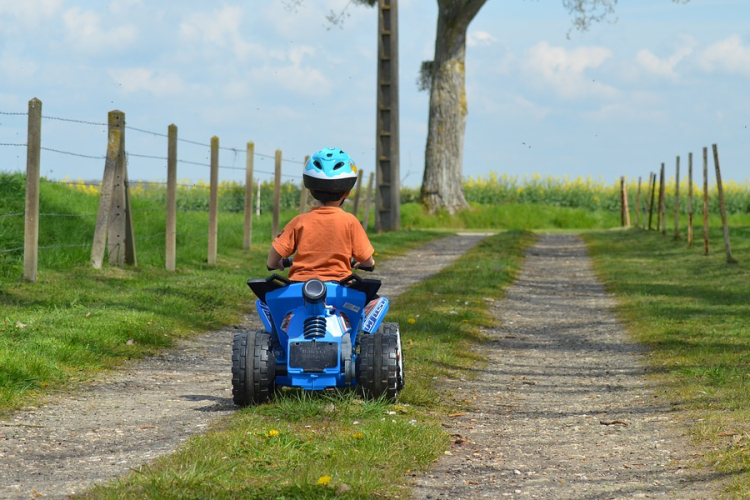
(325,239)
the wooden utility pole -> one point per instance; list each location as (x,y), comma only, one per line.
(33,166)
(388,199)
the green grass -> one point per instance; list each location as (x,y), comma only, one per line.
(282,449)
(510,216)
(692,312)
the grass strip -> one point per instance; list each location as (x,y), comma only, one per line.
(692,312)
(334,444)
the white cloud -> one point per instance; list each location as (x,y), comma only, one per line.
(30,11)
(220,29)
(726,56)
(480,38)
(16,70)
(142,79)
(564,70)
(665,67)
(297,76)
(85,32)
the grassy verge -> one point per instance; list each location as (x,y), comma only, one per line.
(334,444)
(693,312)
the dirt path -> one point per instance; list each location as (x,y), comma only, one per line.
(564,410)
(148,408)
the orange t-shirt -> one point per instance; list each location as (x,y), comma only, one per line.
(323,242)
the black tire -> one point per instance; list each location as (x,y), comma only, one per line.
(377,367)
(392,329)
(253,368)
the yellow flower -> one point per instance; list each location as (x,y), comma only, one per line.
(324,480)
(411,321)
(272,433)
(357,435)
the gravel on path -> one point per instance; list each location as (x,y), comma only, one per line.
(564,409)
(147,408)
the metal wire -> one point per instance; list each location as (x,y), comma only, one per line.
(11,250)
(74,154)
(71,120)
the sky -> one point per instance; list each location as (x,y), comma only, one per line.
(656,81)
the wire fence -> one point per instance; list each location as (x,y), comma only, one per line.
(152,196)
(239,152)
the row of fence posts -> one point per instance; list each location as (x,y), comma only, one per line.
(661,213)
(114,231)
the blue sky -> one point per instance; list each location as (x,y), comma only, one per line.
(660,80)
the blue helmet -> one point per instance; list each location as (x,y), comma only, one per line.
(330,170)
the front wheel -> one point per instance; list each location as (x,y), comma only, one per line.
(379,367)
(253,368)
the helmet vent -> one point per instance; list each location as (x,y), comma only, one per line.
(338,165)
(318,165)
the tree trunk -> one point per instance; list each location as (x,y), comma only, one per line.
(442,184)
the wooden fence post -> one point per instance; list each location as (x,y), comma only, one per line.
(357,190)
(625,218)
(33,167)
(622,201)
(247,232)
(661,220)
(276,195)
(652,185)
(677,201)
(114,222)
(257,199)
(368,203)
(638,204)
(120,238)
(303,192)
(690,200)
(171,241)
(722,207)
(213,204)
(705,201)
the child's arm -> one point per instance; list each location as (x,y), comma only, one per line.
(370,262)
(274,260)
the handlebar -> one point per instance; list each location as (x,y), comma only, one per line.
(287,263)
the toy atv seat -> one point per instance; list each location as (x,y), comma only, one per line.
(317,336)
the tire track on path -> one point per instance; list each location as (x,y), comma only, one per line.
(564,409)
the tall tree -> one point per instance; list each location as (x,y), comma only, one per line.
(442,181)
(445,78)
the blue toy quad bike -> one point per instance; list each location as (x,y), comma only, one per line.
(318,335)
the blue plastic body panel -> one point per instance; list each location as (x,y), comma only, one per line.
(284,314)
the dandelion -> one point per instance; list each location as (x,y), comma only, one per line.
(272,433)
(411,321)
(324,480)
(357,435)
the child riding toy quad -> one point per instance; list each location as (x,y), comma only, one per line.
(318,335)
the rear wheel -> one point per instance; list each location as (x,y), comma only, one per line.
(253,368)
(379,368)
